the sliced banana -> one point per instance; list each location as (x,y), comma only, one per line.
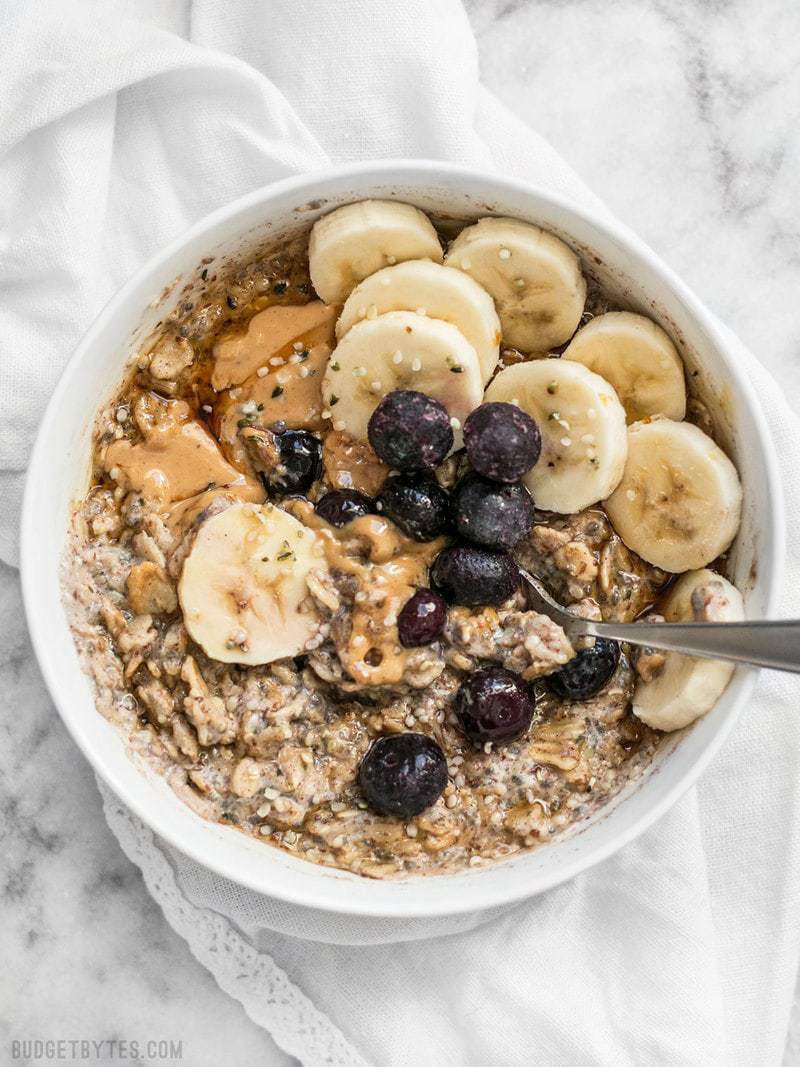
(356,240)
(679,503)
(437,291)
(243,587)
(638,358)
(582,423)
(400,350)
(684,687)
(535,279)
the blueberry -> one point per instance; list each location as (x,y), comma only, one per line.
(410,431)
(469,575)
(588,672)
(418,505)
(402,774)
(341,506)
(494,704)
(491,514)
(502,442)
(422,619)
(300,463)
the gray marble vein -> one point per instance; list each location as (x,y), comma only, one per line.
(682,114)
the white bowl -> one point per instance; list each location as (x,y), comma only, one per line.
(58,476)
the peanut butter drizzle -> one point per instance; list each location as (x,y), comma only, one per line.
(181,515)
(351,464)
(298,402)
(388,567)
(271,334)
(177,458)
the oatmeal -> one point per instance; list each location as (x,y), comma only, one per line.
(294,578)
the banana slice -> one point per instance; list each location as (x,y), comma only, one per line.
(685,688)
(535,279)
(243,588)
(441,292)
(679,503)
(582,423)
(400,350)
(639,360)
(356,240)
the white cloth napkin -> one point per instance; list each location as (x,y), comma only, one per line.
(115,133)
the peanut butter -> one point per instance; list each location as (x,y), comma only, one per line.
(271,334)
(351,464)
(177,458)
(289,394)
(388,568)
(181,515)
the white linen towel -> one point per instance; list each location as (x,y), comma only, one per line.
(116,132)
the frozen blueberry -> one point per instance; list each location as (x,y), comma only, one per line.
(588,672)
(410,431)
(491,513)
(502,442)
(418,505)
(494,704)
(422,619)
(402,774)
(300,463)
(341,506)
(469,575)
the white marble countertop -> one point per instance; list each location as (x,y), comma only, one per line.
(690,136)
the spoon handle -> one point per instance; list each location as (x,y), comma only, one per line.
(760,644)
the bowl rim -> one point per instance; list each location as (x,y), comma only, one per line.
(512,890)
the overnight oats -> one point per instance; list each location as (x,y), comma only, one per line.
(295,580)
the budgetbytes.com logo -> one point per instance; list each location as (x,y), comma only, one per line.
(78,1050)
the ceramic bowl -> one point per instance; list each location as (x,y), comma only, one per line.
(59,472)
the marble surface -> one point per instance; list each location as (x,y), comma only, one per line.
(683,117)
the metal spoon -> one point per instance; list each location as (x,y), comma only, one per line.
(758,643)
